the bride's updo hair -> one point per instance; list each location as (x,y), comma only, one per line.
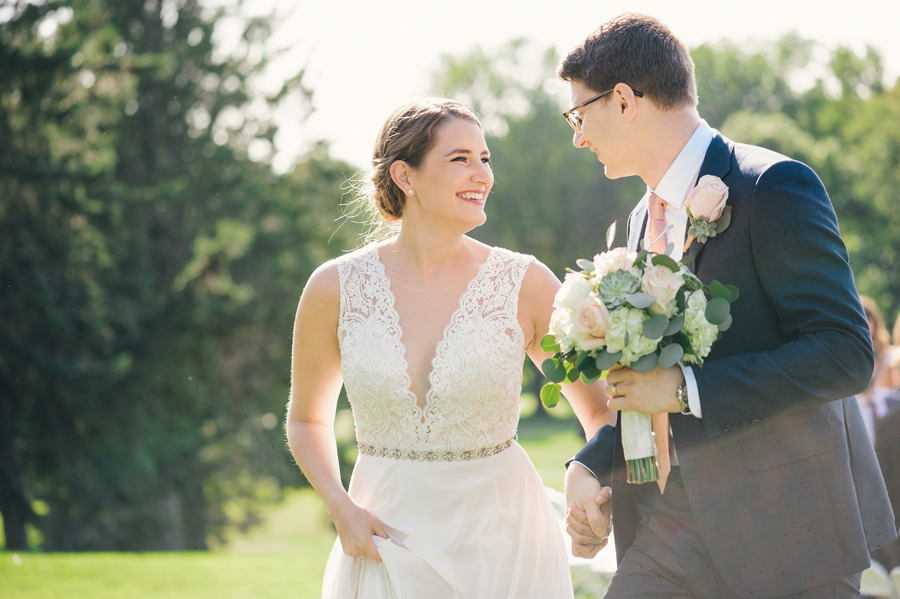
(407,135)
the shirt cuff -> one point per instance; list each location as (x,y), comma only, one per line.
(692,392)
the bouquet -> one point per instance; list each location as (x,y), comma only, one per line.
(641,310)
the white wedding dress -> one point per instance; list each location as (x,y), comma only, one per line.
(466,511)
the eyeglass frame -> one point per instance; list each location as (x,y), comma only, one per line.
(569,112)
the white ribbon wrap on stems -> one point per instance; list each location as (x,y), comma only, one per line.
(639,447)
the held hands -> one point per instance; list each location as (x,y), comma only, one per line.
(588,516)
(356,526)
(650,392)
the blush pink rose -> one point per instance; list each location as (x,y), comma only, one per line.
(708,198)
(663,284)
(591,322)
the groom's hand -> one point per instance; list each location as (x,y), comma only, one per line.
(588,519)
(650,392)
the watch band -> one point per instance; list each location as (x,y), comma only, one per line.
(681,396)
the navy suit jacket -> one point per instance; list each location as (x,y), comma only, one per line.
(779,472)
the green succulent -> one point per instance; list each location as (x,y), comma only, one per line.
(615,286)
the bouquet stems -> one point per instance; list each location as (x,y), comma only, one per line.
(639,447)
(641,470)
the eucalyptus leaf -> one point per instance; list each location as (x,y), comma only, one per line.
(674,325)
(725,325)
(640,300)
(610,235)
(550,395)
(581,358)
(554,370)
(606,359)
(645,363)
(585,265)
(735,292)
(591,371)
(717,289)
(717,310)
(590,379)
(549,344)
(655,327)
(670,355)
(724,220)
(666,261)
(684,341)
(571,373)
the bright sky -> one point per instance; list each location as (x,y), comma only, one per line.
(366,57)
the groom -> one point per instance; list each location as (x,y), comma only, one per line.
(774,489)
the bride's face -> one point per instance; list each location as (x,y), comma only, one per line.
(455,177)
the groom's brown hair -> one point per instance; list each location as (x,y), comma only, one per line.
(639,51)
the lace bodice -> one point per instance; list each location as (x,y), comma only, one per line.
(476,373)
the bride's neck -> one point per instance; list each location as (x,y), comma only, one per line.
(427,257)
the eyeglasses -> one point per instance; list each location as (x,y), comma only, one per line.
(575,119)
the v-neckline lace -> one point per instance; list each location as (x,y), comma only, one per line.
(427,406)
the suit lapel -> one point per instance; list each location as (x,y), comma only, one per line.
(637,220)
(716,162)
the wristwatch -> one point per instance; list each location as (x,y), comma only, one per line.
(681,396)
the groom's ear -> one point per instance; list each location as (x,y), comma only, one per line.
(626,100)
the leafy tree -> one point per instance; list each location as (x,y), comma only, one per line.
(151,263)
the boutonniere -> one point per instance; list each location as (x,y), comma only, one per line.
(707,210)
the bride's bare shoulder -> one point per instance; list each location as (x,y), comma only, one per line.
(539,280)
(323,288)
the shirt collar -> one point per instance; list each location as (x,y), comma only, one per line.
(677,181)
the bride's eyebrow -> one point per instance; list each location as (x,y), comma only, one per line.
(461,151)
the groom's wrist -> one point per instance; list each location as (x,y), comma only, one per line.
(693,394)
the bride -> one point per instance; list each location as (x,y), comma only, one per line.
(428,331)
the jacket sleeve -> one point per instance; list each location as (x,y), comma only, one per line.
(824,351)
(598,453)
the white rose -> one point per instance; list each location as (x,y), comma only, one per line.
(574,290)
(617,259)
(562,327)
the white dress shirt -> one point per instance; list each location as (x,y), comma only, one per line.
(674,187)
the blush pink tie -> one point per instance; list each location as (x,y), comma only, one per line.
(656,210)
(657,224)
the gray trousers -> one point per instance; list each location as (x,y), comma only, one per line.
(668,559)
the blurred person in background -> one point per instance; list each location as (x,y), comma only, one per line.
(880,405)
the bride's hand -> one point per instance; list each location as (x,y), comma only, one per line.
(356,526)
(588,517)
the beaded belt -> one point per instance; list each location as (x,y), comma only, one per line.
(434,456)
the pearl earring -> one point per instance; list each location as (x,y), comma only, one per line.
(410,192)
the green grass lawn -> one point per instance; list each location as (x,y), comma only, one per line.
(283,558)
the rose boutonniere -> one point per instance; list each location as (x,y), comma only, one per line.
(707,210)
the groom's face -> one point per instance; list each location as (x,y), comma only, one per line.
(598,127)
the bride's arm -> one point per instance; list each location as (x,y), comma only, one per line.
(315,385)
(535,308)
(588,505)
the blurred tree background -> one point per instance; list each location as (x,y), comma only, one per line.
(151,259)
